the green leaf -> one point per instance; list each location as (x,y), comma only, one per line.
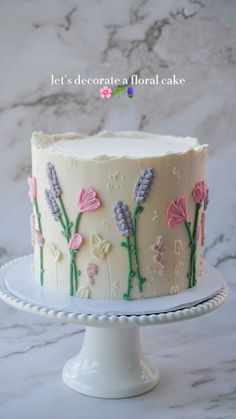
(138,210)
(124,244)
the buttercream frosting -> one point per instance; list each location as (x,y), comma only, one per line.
(131,144)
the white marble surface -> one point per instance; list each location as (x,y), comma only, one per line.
(194,39)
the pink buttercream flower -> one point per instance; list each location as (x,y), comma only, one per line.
(159,249)
(199,192)
(75,241)
(176,212)
(197,233)
(92,269)
(38,237)
(86,200)
(105,92)
(32,189)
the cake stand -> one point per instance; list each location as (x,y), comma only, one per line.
(111,363)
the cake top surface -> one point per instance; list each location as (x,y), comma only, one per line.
(134,144)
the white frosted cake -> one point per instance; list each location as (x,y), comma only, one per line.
(117,215)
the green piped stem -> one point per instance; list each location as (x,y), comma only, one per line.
(76,275)
(192,247)
(71,276)
(38,216)
(73,271)
(192,244)
(198,206)
(77,221)
(66,227)
(76,271)
(67,223)
(197,210)
(41,266)
(131,274)
(137,210)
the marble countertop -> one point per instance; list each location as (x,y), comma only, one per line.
(194,39)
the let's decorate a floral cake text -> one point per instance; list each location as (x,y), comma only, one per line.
(134,80)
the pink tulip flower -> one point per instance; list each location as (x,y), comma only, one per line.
(176,212)
(86,200)
(75,241)
(32,189)
(199,192)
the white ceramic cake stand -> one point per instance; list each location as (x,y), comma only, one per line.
(111,363)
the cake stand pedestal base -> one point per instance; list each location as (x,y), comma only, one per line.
(110,364)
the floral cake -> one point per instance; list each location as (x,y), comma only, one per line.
(117,215)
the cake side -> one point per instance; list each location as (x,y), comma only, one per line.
(101,256)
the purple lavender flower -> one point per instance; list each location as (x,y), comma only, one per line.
(206,200)
(54,208)
(53,181)
(123,219)
(143,185)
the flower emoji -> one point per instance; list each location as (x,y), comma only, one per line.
(32,189)
(105,92)
(176,212)
(130,92)
(86,200)
(199,192)
(75,241)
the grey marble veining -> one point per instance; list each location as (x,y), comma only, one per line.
(194,39)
